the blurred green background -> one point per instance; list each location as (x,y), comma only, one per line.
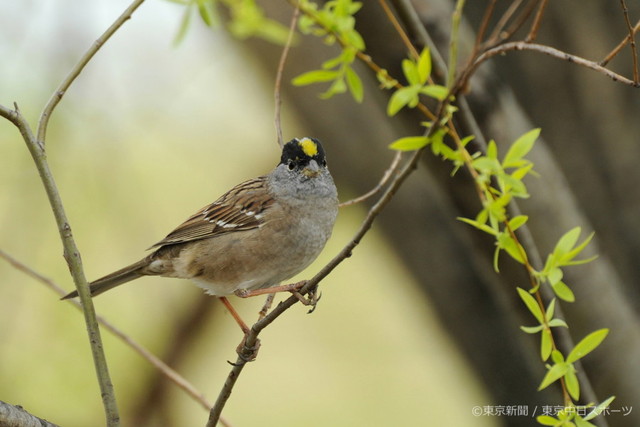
(149,133)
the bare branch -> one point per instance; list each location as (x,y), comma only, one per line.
(497,34)
(484,24)
(533,32)
(16,416)
(620,45)
(283,59)
(547,50)
(396,24)
(383,181)
(632,41)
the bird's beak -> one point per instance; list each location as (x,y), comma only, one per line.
(312,170)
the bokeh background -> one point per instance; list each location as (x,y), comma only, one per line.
(149,133)
(415,328)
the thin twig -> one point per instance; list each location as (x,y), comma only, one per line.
(456,17)
(484,24)
(547,50)
(396,24)
(496,34)
(265,309)
(166,370)
(518,22)
(383,181)
(632,40)
(620,46)
(77,69)
(283,60)
(17,416)
(533,32)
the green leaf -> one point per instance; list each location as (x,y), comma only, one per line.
(553,323)
(435,91)
(486,164)
(566,242)
(575,251)
(515,186)
(571,381)
(581,261)
(409,143)
(354,84)
(531,329)
(563,292)
(550,309)
(557,357)
(554,276)
(492,150)
(479,226)
(207,12)
(531,304)
(513,248)
(410,71)
(355,40)
(545,344)
(521,172)
(315,76)
(587,345)
(333,62)
(556,372)
(400,98)
(184,26)
(598,409)
(338,86)
(517,222)
(546,420)
(520,148)
(386,81)
(424,65)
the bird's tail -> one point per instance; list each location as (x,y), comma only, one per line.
(114,279)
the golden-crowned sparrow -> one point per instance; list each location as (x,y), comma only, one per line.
(261,232)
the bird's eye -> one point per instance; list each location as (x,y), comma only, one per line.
(324,163)
(291,165)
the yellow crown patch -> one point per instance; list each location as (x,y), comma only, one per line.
(308,146)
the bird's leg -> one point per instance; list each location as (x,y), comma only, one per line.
(293,288)
(246,293)
(248,354)
(236,316)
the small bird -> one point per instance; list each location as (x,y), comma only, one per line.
(258,234)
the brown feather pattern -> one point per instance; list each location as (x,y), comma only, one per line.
(238,209)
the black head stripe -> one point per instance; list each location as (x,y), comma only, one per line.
(301,150)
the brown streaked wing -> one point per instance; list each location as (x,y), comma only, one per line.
(238,209)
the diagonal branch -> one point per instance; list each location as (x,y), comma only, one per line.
(620,45)
(547,50)
(283,60)
(632,41)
